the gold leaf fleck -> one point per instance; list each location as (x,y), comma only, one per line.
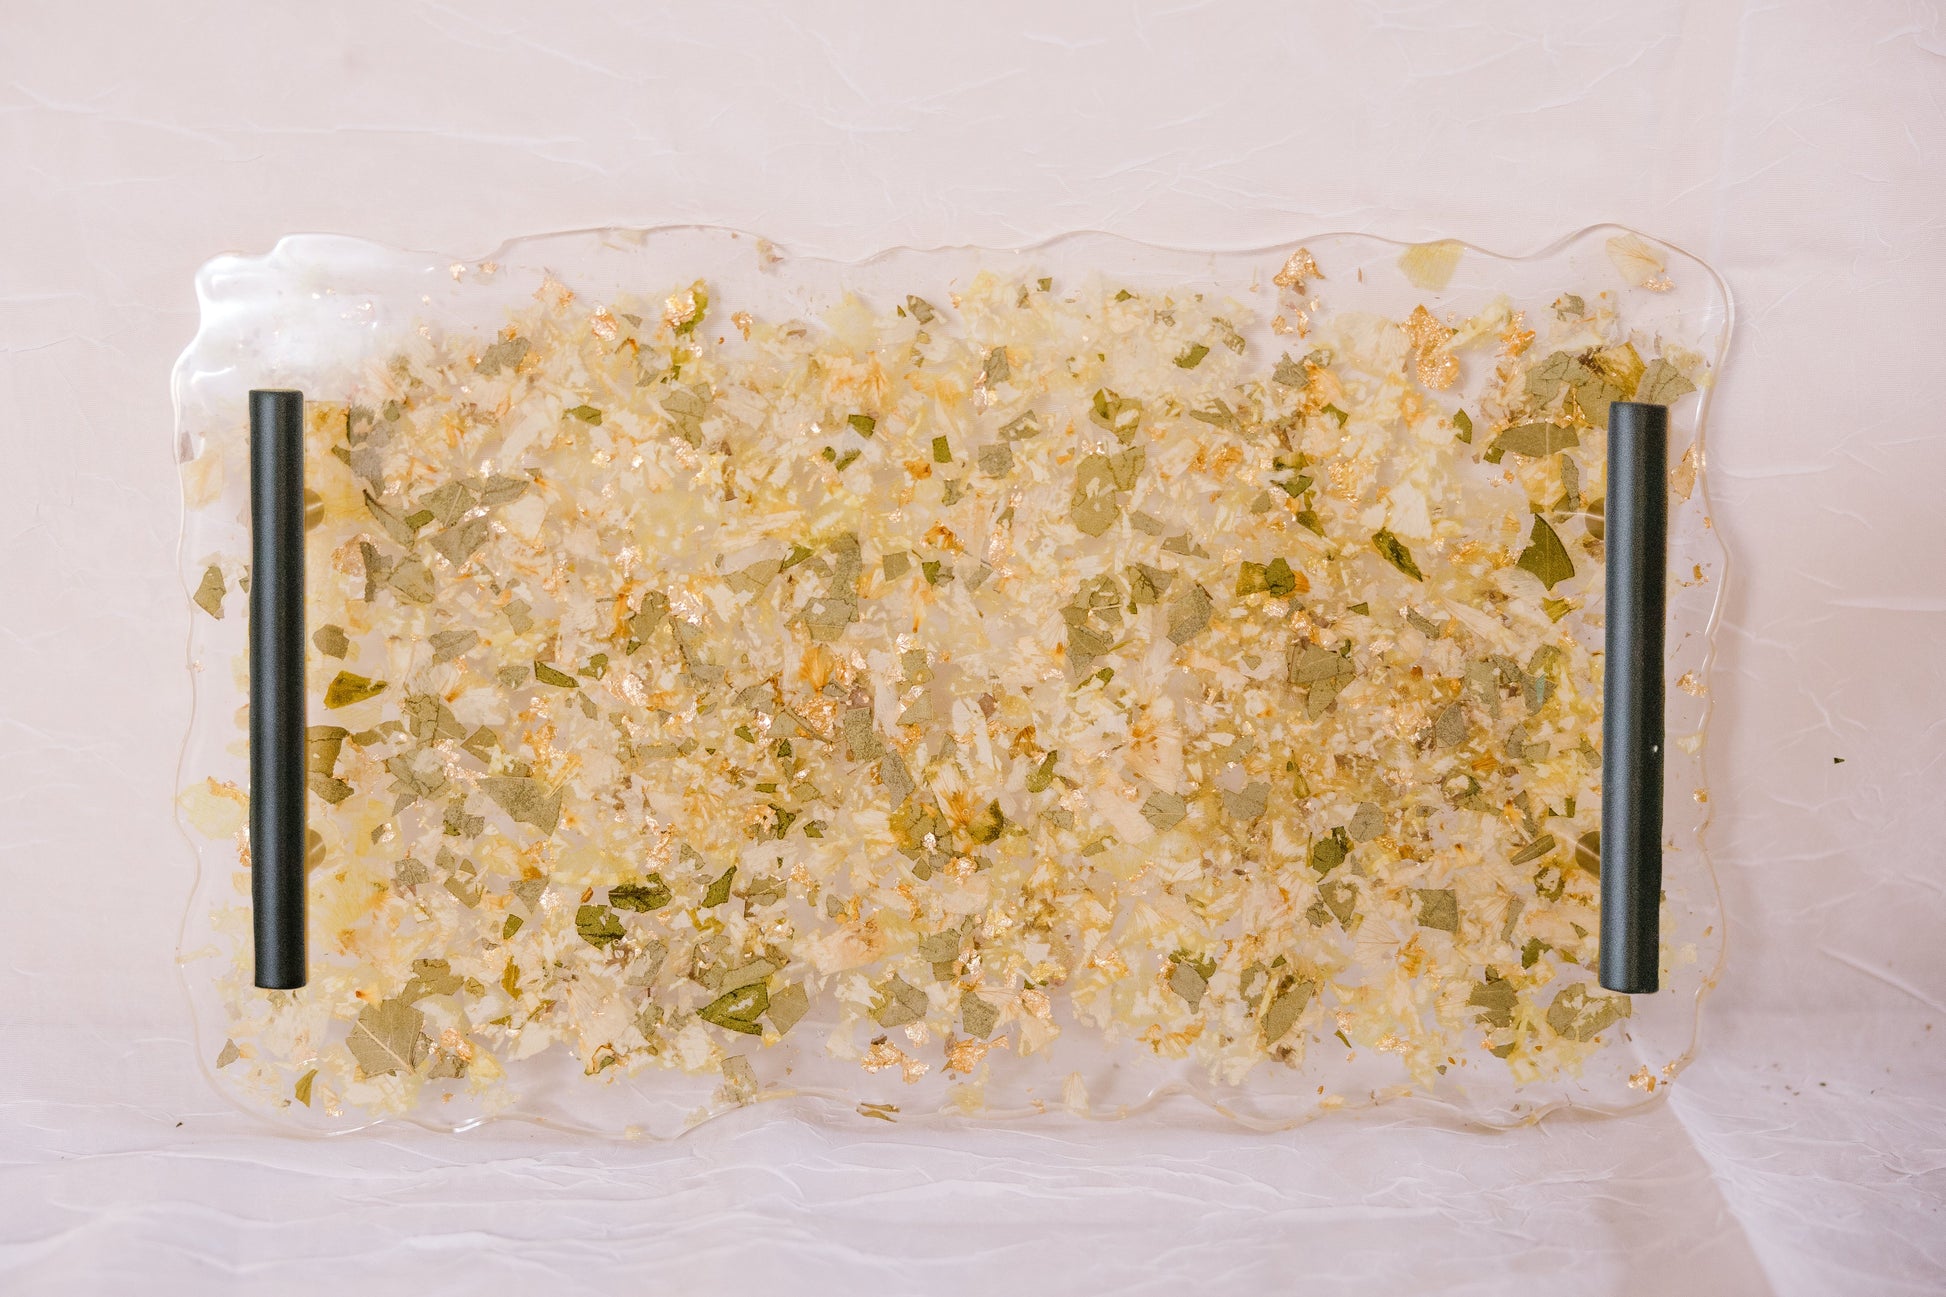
(1300,267)
(884,1054)
(1437,368)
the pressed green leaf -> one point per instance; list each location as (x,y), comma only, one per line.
(525,800)
(1578,1013)
(1274,578)
(686,408)
(1449,727)
(757,970)
(393,525)
(738,1010)
(899,1002)
(1189,615)
(977,1016)
(1327,853)
(1147,585)
(458,543)
(1546,379)
(996,369)
(1534,440)
(501,489)
(1545,556)
(505,354)
(1340,898)
(649,894)
(1096,505)
(1188,981)
(1662,383)
(1535,850)
(1218,415)
(331,641)
(1248,803)
(996,460)
(1285,1010)
(209,593)
(346,689)
(988,825)
(1021,428)
(387,1038)
(1393,551)
(413,580)
(598,925)
(1121,415)
(787,1007)
(447,503)
(1438,908)
(449,644)
(1497,1000)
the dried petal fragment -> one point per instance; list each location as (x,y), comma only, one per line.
(1639,263)
(1431,265)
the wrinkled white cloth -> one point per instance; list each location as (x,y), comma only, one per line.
(1800,148)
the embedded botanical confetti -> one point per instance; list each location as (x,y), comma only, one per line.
(940,683)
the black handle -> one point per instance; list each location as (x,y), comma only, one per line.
(1636,518)
(277,750)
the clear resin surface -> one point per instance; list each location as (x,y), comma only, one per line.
(949,686)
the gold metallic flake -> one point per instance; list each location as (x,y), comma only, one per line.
(1298,269)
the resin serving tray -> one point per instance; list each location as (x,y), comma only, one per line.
(957,684)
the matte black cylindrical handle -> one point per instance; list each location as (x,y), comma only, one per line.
(277,749)
(1636,540)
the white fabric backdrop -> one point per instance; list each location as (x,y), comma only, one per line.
(1798,147)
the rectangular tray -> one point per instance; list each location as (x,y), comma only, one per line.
(960,684)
